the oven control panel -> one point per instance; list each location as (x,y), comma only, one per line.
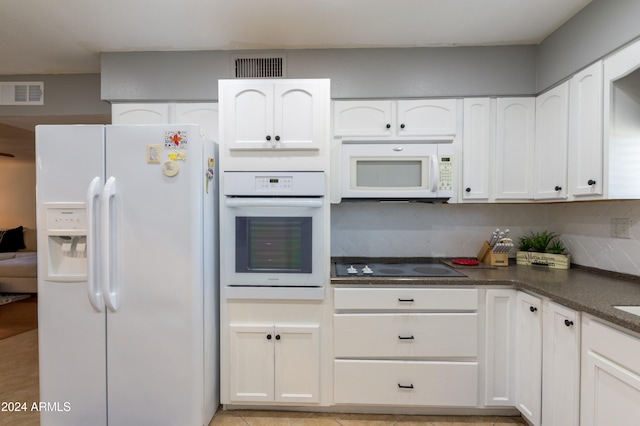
(274,183)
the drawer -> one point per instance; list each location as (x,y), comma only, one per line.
(406,299)
(408,383)
(405,335)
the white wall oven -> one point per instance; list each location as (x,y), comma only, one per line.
(411,170)
(273,235)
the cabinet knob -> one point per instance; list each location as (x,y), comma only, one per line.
(268,336)
(467,190)
(388,126)
(558,188)
(268,138)
(277,337)
(568,323)
(277,138)
(402,126)
(533,309)
(591,182)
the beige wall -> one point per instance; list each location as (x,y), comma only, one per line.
(17,194)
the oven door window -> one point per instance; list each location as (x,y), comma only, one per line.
(389,173)
(274,244)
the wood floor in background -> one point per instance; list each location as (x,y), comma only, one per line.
(18,317)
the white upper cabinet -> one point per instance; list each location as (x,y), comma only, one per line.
(363,118)
(148,113)
(204,114)
(585,132)
(386,118)
(551,141)
(515,130)
(426,117)
(478,133)
(265,115)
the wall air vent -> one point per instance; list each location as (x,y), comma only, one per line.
(21,93)
(259,67)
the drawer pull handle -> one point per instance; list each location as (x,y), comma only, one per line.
(406,337)
(406,300)
(405,387)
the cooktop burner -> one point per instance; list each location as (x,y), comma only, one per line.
(430,269)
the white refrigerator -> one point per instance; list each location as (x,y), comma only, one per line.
(127,275)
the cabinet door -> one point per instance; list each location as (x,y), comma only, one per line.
(152,113)
(610,386)
(297,363)
(551,141)
(297,115)
(500,347)
(248,119)
(363,118)
(585,132)
(251,358)
(560,366)
(203,114)
(529,356)
(476,148)
(513,171)
(426,117)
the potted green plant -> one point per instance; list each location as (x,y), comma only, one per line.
(542,248)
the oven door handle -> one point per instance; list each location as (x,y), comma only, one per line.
(274,202)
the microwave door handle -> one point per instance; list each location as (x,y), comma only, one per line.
(433,171)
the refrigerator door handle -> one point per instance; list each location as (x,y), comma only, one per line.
(93,287)
(109,283)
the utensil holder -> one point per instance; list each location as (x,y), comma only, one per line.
(485,255)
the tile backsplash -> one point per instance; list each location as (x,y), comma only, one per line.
(448,230)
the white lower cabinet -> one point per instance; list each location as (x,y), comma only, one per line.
(398,346)
(547,360)
(610,388)
(500,346)
(394,382)
(529,356)
(560,365)
(274,363)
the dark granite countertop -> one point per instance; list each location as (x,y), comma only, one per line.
(587,290)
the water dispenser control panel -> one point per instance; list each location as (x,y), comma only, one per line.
(72,218)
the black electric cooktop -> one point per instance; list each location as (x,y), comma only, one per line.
(430,269)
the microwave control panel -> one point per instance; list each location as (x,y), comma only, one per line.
(445,181)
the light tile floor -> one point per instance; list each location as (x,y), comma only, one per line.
(19,382)
(286,418)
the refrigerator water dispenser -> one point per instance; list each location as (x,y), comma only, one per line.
(66,241)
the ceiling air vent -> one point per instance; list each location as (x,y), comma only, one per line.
(259,67)
(22,93)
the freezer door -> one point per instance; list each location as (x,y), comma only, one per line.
(71,332)
(155,324)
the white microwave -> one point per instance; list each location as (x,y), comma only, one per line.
(397,170)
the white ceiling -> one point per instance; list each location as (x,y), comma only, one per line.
(67,36)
